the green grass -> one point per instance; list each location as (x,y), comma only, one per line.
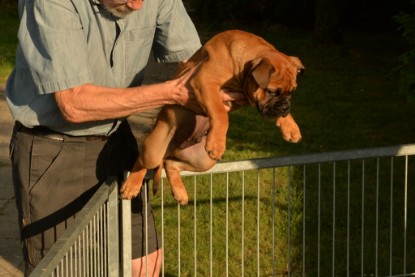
(220,209)
(8,41)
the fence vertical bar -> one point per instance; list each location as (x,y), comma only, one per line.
(145,187)
(75,259)
(334,222)
(126,244)
(112,226)
(362,248)
(227,224)
(105,234)
(126,237)
(319,219)
(405,215)
(243,225)
(83,252)
(162,226)
(98,238)
(273,220)
(304,216)
(257,233)
(391,220)
(289,222)
(88,260)
(195,227)
(211,227)
(348,220)
(94,243)
(178,240)
(69,262)
(377,218)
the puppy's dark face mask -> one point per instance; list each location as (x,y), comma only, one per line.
(272,80)
(274,104)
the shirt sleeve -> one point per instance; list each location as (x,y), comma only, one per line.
(54,45)
(176,38)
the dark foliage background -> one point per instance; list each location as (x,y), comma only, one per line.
(328,20)
(353,14)
(406,68)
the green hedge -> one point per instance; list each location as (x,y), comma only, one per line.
(407,60)
(269,11)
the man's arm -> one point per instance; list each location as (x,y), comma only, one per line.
(89,102)
(93,103)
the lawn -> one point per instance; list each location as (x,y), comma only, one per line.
(8,41)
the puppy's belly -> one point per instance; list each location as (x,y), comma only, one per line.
(190,132)
(193,158)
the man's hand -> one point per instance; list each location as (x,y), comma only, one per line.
(185,96)
(233,100)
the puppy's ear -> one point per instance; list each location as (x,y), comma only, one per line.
(261,71)
(298,64)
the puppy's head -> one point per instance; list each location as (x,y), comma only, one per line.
(270,81)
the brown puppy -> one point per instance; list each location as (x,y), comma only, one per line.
(234,61)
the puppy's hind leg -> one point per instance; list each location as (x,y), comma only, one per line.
(152,152)
(193,158)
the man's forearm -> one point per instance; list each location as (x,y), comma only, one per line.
(93,103)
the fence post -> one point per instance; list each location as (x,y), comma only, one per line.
(125,239)
(113,237)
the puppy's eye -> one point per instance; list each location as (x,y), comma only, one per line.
(275,93)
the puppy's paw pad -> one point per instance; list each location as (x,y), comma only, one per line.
(214,156)
(181,198)
(129,190)
(216,150)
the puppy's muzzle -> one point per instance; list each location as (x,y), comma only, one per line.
(276,107)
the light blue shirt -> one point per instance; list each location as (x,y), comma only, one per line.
(67,43)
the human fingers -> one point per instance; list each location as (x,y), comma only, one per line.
(184,95)
(232,95)
(233,100)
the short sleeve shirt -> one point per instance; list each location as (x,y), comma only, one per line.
(67,43)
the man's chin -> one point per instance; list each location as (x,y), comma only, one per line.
(120,12)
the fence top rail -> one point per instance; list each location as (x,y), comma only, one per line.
(390,151)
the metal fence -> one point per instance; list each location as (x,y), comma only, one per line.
(91,245)
(330,214)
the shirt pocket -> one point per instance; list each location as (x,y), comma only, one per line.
(138,44)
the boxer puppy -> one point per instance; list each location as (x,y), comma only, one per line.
(182,140)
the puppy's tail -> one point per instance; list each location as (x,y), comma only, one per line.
(157,177)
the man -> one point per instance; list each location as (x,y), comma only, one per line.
(79,64)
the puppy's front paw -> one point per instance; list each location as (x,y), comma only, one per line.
(180,195)
(215,147)
(292,134)
(289,129)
